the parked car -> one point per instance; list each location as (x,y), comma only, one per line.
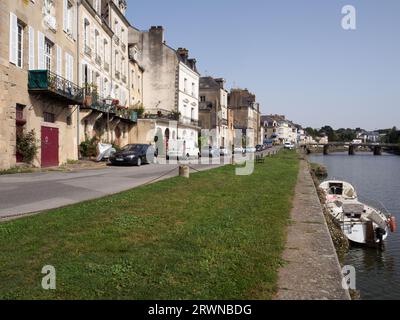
(212,152)
(250,150)
(238,150)
(223,151)
(259,148)
(134,154)
(288,145)
(181,149)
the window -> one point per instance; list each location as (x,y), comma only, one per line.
(69,121)
(69,19)
(49,117)
(48,46)
(193,89)
(185,85)
(86,33)
(19,112)
(203,99)
(20,45)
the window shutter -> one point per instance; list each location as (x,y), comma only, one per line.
(71,68)
(59,61)
(13,38)
(65,15)
(41,64)
(31,48)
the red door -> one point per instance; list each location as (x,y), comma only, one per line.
(49,147)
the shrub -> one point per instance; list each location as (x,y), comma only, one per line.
(88,148)
(27,146)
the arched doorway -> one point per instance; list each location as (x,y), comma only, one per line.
(167,135)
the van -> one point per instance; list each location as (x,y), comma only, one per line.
(183,149)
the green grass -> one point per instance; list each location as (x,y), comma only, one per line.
(16,170)
(215,236)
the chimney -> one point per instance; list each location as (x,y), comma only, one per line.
(183,53)
(157,34)
(221,82)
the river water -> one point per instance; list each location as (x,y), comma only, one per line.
(375,178)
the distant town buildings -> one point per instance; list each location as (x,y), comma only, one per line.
(246,115)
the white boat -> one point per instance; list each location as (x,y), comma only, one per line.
(360,223)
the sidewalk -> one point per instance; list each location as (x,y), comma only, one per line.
(312,271)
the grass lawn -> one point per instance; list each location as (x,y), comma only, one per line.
(215,236)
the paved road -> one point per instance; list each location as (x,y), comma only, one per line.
(22,194)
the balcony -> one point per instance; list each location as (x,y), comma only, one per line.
(117,75)
(95,103)
(106,66)
(98,59)
(88,51)
(47,82)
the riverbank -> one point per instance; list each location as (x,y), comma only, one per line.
(214,236)
(312,270)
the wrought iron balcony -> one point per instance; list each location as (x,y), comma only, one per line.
(47,82)
(98,59)
(88,51)
(96,103)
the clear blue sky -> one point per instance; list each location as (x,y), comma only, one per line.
(294,55)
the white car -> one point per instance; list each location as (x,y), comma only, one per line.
(223,151)
(288,145)
(183,149)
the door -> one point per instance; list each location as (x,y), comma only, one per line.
(49,147)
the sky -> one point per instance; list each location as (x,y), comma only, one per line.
(293,54)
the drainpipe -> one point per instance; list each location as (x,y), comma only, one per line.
(78,120)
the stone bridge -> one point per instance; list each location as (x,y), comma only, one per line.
(376,148)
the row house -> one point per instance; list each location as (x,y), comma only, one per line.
(38,80)
(213,111)
(170,90)
(279,129)
(64,73)
(246,114)
(104,67)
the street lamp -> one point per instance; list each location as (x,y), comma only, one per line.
(109,100)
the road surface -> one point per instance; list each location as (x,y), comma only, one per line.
(22,194)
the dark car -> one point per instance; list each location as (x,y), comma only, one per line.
(134,154)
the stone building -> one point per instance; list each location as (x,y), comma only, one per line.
(104,70)
(170,90)
(246,114)
(39,88)
(213,110)
(136,72)
(279,129)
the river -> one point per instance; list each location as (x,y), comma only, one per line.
(376,178)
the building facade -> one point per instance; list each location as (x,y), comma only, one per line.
(213,111)
(246,114)
(170,90)
(279,129)
(38,80)
(104,72)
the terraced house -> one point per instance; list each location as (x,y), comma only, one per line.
(39,87)
(171,90)
(214,111)
(104,66)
